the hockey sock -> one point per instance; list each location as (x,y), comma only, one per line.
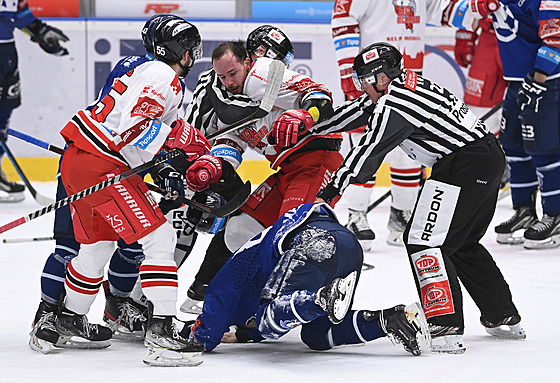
(321,334)
(286,312)
(523,179)
(216,256)
(54,271)
(159,284)
(123,268)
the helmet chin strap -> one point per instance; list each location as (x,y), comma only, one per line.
(185,68)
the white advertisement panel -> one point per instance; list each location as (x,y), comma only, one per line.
(56,87)
(189,9)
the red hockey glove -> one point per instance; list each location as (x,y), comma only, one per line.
(205,170)
(484,7)
(464,47)
(184,136)
(349,89)
(289,126)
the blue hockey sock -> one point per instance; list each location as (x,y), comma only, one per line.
(54,271)
(123,268)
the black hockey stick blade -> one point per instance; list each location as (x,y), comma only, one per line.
(41,199)
(273,84)
(221,211)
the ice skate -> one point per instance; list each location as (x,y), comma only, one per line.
(404,325)
(510,232)
(507,328)
(124,317)
(447,339)
(336,297)
(10,191)
(44,335)
(359,225)
(398,219)
(544,234)
(166,348)
(195,298)
(79,333)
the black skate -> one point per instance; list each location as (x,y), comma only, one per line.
(336,297)
(359,225)
(79,333)
(405,325)
(166,348)
(10,191)
(44,335)
(195,298)
(126,318)
(510,231)
(507,328)
(544,234)
(447,339)
(398,219)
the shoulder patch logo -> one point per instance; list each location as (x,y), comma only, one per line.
(411,78)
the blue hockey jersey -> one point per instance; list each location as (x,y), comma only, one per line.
(13,14)
(528,33)
(233,296)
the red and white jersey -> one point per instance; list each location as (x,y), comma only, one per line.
(131,123)
(402,23)
(295,88)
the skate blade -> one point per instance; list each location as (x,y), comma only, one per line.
(367,245)
(504,192)
(415,314)
(515,238)
(77,342)
(12,197)
(127,336)
(395,238)
(454,345)
(515,332)
(346,287)
(190,306)
(40,345)
(162,357)
(549,243)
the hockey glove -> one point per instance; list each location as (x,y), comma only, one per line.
(465,14)
(349,89)
(205,170)
(289,126)
(530,94)
(187,138)
(48,37)
(464,47)
(169,179)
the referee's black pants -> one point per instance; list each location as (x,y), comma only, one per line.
(471,176)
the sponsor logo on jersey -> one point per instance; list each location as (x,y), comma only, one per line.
(427,264)
(176,85)
(342,8)
(406,14)
(151,90)
(411,80)
(435,296)
(253,137)
(147,107)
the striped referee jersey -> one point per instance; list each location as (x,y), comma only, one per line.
(426,120)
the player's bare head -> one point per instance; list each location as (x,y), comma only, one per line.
(376,65)
(270,41)
(168,38)
(231,64)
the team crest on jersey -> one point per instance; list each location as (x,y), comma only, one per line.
(176,85)
(147,107)
(406,13)
(342,8)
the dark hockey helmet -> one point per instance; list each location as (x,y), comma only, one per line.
(205,222)
(270,41)
(174,36)
(149,29)
(375,60)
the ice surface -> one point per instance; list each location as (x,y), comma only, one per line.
(532,276)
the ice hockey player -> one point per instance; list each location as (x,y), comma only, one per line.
(228,92)
(124,129)
(302,271)
(16,14)
(456,203)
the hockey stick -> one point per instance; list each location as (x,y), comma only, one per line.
(486,116)
(239,199)
(221,211)
(35,141)
(41,199)
(21,240)
(274,81)
(92,189)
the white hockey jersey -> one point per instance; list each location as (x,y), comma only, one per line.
(131,123)
(402,23)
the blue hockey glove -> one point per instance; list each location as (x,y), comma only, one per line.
(48,37)
(530,93)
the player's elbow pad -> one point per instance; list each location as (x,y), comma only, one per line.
(228,153)
(320,109)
